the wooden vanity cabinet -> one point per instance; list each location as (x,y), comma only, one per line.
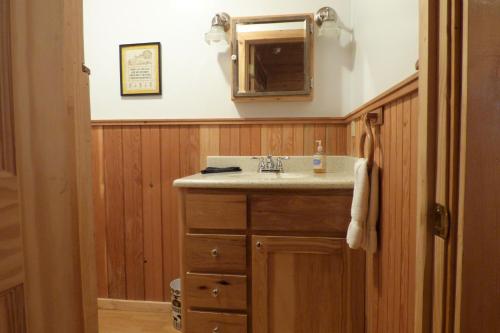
(269,262)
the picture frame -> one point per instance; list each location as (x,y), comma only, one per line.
(140,69)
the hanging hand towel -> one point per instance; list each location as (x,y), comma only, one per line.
(359,208)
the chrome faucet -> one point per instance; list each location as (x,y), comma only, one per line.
(270,164)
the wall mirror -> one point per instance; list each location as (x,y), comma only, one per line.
(272,57)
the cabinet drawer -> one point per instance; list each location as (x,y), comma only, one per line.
(310,213)
(216,211)
(207,322)
(215,253)
(213,291)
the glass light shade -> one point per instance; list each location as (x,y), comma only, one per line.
(216,35)
(329,29)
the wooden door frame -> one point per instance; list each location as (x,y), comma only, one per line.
(438,162)
(426,162)
(52,135)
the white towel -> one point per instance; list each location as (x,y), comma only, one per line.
(362,231)
(359,208)
(370,239)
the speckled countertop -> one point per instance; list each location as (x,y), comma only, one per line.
(298,174)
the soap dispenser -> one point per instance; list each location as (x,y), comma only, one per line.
(319,159)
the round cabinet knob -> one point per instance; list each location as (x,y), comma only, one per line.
(259,245)
(214,253)
(215,330)
(215,292)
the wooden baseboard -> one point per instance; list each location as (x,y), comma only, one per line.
(137,306)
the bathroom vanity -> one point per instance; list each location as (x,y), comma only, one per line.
(267,252)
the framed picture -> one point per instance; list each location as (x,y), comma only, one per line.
(140,69)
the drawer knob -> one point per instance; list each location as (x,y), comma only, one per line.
(259,245)
(215,253)
(215,330)
(215,292)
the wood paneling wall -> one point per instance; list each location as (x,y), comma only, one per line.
(390,273)
(135,205)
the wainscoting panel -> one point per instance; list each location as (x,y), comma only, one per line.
(135,205)
(391,272)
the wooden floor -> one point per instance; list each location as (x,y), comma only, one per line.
(119,321)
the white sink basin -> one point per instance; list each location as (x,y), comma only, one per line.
(267,176)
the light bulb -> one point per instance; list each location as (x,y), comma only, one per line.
(216,35)
(329,29)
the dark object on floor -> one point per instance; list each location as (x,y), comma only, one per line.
(220,170)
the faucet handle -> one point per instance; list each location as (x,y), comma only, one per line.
(279,164)
(262,163)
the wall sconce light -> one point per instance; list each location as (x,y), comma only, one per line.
(217,33)
(329,23)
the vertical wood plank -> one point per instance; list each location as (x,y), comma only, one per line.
(229,140)
(115,226)
(189,137)
(341,140)
(250,140)
(287,140)
(413,211)
(256,140)
(309,144)
(385,224)
(349,139)
(245,140)
(293,140)
(271,139)
(153,243)
(335,141)
(170,170)
(398,212)
(298,140)
(209,143)
(393,230)
(132,187)
(98,187)
(405,214)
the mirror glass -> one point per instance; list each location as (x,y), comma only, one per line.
(271,58)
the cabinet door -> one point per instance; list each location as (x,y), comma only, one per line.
(299,285)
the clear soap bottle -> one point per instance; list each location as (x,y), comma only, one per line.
(319,159)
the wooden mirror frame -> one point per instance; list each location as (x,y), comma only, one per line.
(301,95)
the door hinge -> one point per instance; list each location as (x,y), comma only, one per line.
(440,221)
(311,83)
(85,69)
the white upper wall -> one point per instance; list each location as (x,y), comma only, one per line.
(196,78)
(386,47)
